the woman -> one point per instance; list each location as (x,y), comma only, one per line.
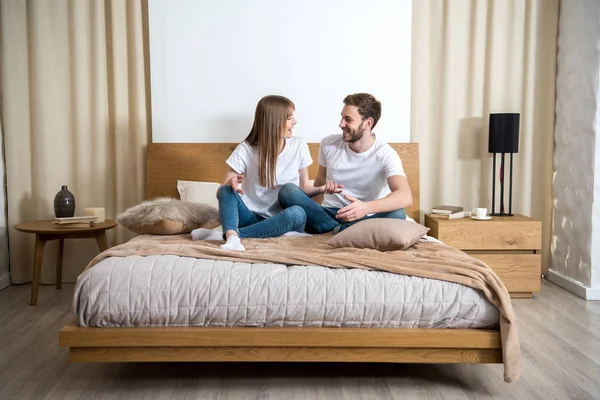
(266,160)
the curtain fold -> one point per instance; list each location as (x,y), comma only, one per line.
(471,58)
(75,113)
(4,261)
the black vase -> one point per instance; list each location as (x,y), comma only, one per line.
(64,203)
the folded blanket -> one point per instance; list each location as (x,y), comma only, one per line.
(425,259)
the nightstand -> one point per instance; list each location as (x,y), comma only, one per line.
(46,231)
(509,245)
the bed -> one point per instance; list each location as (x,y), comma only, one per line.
(482,331)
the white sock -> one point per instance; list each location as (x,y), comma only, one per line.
(233,243)
(206,234)
(295,233)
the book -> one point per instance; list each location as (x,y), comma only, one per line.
(460,214)
(88,220)
(82,218)
(75,225)
(444,209)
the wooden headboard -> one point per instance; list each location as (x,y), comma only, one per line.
(168,162)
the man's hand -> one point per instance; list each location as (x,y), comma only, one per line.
(330,188)
(354,211)
(235,181)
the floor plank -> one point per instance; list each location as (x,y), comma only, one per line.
(559,332)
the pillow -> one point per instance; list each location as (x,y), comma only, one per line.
(166,216)
(199,192)
(383,234)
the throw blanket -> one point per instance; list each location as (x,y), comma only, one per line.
(425,259)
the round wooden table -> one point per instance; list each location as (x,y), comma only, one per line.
(46,231)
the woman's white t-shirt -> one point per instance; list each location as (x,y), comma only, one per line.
(263,201)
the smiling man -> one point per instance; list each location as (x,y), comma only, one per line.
(363,175)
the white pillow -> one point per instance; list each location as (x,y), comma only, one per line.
(199,192)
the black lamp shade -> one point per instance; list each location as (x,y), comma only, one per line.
(504,133)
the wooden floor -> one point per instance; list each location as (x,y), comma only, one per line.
(560,340)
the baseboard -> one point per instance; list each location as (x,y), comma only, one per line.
(570,284)
(4,281)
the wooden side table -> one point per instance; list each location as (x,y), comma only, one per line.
(509,245)
(46,231)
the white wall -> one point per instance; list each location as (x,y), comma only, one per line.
(576,239)
(211,62)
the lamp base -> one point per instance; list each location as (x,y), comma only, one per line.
(502,173)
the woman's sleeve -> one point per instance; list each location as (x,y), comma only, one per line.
(238,160)
(305,158)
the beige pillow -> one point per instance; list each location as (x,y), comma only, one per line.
(166,216)
(383,234)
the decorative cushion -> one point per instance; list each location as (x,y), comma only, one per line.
(383,234)
(166,216)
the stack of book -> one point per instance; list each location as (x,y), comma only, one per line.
(449,212)
(74,222)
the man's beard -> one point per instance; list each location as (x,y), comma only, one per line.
(356,134)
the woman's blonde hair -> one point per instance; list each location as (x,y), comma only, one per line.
(270,119)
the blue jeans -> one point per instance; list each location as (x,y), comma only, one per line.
(236,216)
(321,219)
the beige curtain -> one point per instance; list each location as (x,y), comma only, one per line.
(74,113)
(4,270)
(472,58)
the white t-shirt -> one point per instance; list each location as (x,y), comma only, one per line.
(364,175)
(244,160)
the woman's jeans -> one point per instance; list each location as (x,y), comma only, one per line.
(236,216)
(321,219)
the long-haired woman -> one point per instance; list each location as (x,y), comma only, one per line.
(266,160)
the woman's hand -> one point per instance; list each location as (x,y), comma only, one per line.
(235,183)
(233,179)
(331,187)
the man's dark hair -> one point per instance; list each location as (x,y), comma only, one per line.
(368,106)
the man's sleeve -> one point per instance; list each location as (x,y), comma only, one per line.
(392,164)
(322,153)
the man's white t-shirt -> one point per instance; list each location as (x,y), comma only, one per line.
(263,201)
(364,175)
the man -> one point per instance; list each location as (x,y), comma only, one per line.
(361,176)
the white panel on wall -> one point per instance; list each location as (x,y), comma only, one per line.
(211,62)
(576,186)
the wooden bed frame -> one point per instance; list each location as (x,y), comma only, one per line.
(166,163)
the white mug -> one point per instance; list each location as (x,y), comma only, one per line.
(480,212)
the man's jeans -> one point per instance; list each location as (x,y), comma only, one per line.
(321,219)
(236,216)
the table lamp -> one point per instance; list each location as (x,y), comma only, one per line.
(504,138)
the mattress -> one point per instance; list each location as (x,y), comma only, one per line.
(169,290)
